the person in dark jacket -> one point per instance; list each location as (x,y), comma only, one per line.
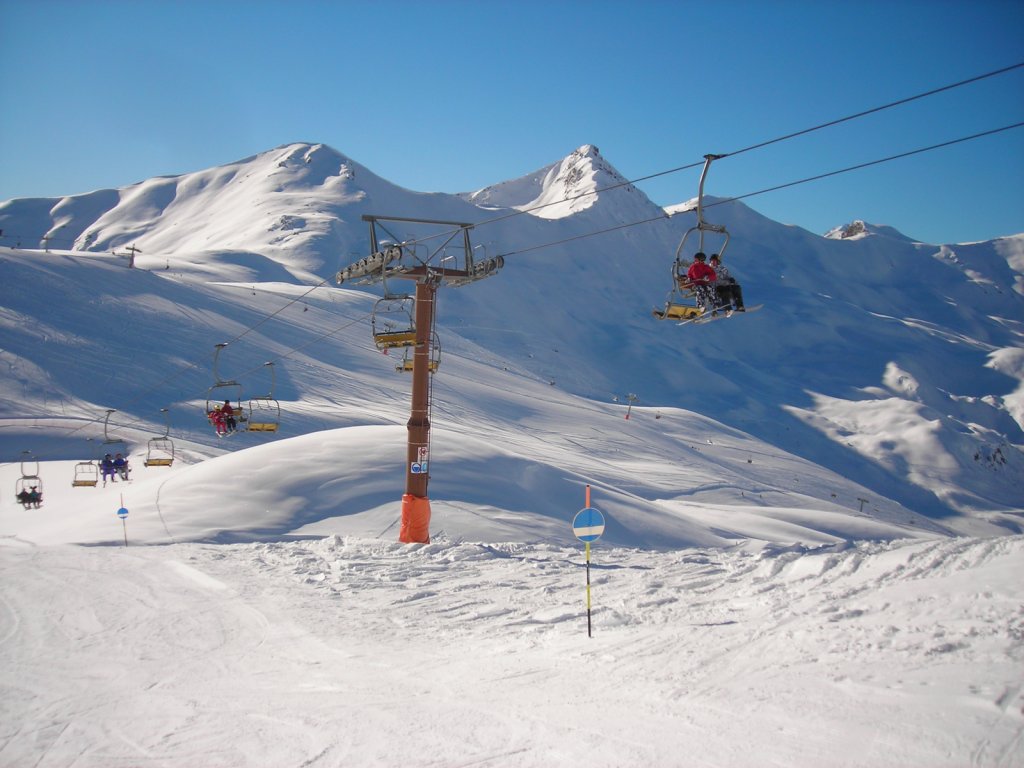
(229,416)
(107,467)
(121,466)
(729,292)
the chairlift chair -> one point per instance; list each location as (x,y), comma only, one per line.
(406,363)
(264,415)
(30,479)
(222,390)
(265,411)
(392,322)
(160,450)
(87,474)
(112,444)
(681,303)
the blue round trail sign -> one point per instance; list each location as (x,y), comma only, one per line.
(588,525)
(122,513)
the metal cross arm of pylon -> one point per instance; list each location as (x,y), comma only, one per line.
(451,261)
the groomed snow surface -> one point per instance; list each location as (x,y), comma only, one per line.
(353,651)
(296,646)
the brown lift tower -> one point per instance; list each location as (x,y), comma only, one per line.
(451,262)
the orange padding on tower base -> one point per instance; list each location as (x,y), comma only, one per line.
(415,527)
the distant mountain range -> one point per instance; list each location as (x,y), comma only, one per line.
(895,363)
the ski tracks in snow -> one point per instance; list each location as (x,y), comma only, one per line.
(749,629)
(135,643)
(342,650)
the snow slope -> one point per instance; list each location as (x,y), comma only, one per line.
(349,651)
(856,332)
(806,559)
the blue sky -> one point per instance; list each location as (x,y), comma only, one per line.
(453,96)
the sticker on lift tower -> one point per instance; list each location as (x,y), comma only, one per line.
(419,467)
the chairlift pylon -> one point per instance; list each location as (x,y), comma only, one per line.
(428,276)
(681,303)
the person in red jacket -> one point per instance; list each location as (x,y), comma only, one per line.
(217,419)
(702,278)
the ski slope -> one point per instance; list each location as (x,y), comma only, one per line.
(813,546)
(343,650)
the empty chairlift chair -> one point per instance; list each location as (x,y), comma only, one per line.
(160,450)
(434,361)
(87,473)
(265,412)
(392,322)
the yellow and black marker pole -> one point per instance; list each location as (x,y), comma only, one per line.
(589,633)
(588,525)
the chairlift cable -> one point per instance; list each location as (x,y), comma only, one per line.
(870,163)
(769,142)
(278,311)
(779,186)
(184,369)
(874,110)
(309,343)
(759,145)
(583,236)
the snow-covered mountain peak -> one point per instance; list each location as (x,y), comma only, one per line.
(279,208)
(574,184)
(859,229)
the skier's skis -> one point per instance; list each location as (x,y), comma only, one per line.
(719,315)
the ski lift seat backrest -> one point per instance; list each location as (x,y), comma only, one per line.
(264,415)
